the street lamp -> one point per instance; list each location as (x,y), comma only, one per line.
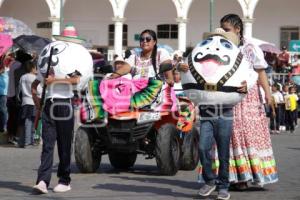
(211,15)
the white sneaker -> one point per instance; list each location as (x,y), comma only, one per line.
(41,188)
(62,188)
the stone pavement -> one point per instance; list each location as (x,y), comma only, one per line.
(18,169)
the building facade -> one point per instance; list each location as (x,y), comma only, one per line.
(116,24)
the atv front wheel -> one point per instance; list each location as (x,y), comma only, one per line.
(167,150)
(87,160)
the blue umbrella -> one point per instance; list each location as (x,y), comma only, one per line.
(169,49)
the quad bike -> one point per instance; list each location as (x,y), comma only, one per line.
(169,137)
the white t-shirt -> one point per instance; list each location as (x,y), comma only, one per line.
(25,87)
(255,56)
(144,68)
(278,97)
(57,90)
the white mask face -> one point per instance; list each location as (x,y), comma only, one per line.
(67,59)
(214,57)
(217,69)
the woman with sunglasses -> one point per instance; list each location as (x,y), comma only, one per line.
(144,66)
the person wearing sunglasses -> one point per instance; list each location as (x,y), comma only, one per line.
(151,71)
(145,64)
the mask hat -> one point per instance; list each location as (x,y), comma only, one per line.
(69,34)
(221,32)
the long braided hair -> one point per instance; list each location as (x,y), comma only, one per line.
(236,22)
(154,51)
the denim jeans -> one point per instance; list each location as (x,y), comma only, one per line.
(3,113)
(215,127)
(27,137)
(27,118)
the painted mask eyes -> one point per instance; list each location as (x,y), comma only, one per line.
(58,48)
(205,42)
(226,44)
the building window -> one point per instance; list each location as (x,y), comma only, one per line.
(44,25)
(167,31)
(111,35)
(289,33)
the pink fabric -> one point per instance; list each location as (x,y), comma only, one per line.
(83,114)
(116,93)
(169,100)
(174,100)
(5,43)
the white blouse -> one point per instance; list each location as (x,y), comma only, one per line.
(144,68)
(254,54)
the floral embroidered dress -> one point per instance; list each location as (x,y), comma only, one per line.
(251,153)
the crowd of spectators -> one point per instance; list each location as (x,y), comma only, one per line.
(283,62)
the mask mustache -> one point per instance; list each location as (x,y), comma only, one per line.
(45,61)
(224,61)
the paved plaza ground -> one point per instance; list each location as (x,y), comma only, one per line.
(18,170)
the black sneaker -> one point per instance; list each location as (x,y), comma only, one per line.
(223,195)
(206,190)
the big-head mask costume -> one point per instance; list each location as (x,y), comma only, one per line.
(217,69)
(68,59)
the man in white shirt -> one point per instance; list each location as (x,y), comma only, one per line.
(58,113)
